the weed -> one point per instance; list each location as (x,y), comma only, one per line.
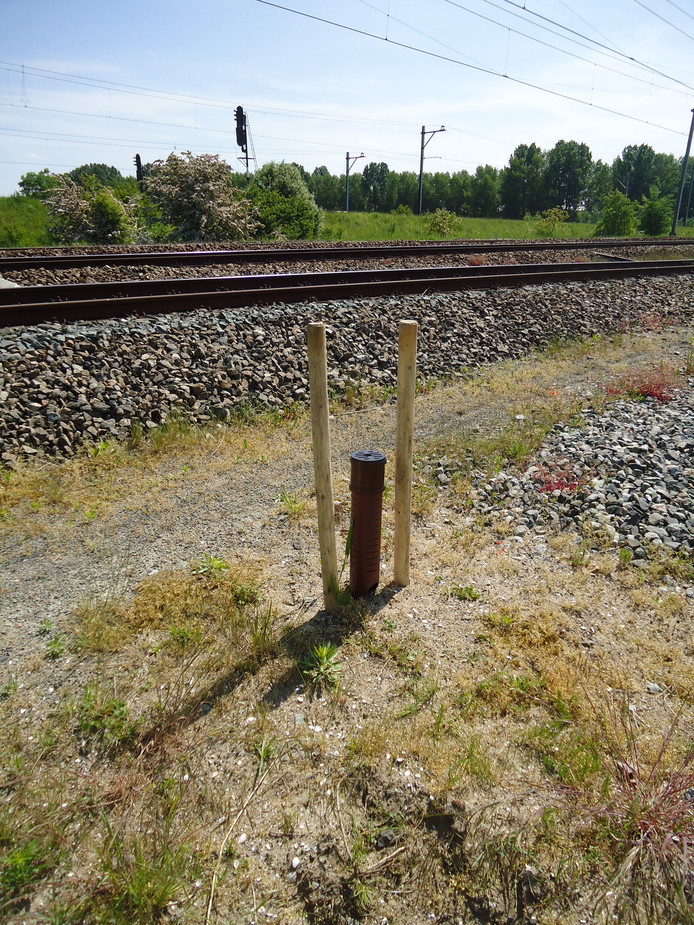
(625,556)
(464,593)
(182,636)
(291,505)
(263,642)
(45,626)
(640,819)
(105,718)
(558,476)
(659,383)
(144,874)
(265,751)
(422,694)
(321,668)
(208,565)
(55,647)
(21,867)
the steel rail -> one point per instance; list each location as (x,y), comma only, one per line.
(294,254)
(66,292)
(317,287)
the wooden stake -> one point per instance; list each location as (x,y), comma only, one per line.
(320,425)
(407,376)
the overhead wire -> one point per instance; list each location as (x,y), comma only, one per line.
(663,19)
(630,58)
(563,51)
(677,7)
(474,67)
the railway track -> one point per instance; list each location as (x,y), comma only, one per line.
(28,305)
(23,261)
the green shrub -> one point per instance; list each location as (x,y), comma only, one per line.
(441,223)
(285,204)
(617,217)
(655,216)
(547,224)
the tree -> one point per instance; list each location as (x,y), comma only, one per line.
(522,182)
(38,184)
(285,204)
(617,216)
(407,190)
(599,186)
(326,189)
(374,180)
(195,195)
(566,175)
(461,182)
(484,192)
(667,173)
(634,172)
(106,176)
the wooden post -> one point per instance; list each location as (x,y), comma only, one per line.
(320,425)
(407,376)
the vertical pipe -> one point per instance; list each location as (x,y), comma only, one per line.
(407,376)
(366,483)
(320,426)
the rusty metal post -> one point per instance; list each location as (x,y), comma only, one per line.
(368,472)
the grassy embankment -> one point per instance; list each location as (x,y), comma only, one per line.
(376,226)
(23,222)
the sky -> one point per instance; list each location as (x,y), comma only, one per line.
(90,82)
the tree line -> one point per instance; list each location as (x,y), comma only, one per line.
(565,177)
(200,198)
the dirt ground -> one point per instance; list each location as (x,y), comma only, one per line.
(442,760)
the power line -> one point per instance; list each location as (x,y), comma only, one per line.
(663,19)
(153,93)
(590,25)
(98,115)
(419,32)
(587,38)
(684,12)
(562,51)
(482,70)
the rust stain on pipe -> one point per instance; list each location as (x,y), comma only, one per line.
(367,482)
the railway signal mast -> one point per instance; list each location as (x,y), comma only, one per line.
(243,137)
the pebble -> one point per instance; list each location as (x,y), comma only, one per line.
(63,386)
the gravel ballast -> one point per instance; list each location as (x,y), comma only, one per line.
(64,385)
(621,477)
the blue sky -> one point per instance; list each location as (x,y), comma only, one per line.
(91,82)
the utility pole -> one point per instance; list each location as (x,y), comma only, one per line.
(425,142)
(682,181)
(350,163)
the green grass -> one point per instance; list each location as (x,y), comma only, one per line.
(376,226)
(23,222)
